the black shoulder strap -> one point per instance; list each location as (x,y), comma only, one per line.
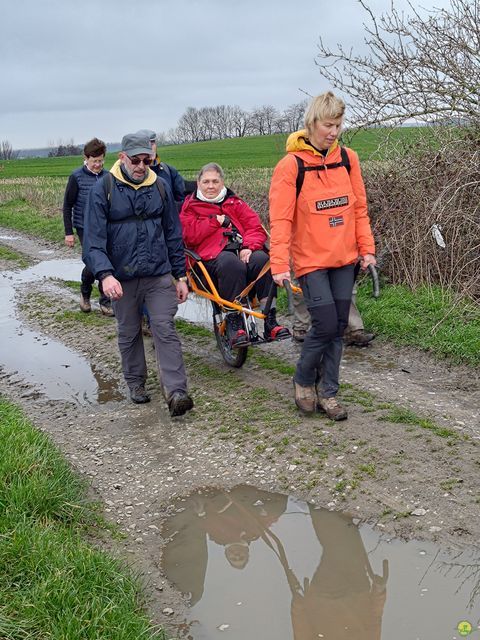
(300,175)
(161,188)
(345,159)
(345,162)
(108,187)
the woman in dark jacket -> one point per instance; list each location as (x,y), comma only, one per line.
(230,239)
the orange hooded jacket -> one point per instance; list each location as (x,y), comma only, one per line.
(327,226)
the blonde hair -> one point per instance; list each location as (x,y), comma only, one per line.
(324,107)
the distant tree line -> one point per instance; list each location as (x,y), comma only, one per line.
(224,121)
(64,149)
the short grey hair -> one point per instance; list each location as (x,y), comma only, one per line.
(211,166)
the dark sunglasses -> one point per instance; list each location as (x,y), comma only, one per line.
(146,161)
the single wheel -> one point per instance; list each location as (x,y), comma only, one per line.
(233,357)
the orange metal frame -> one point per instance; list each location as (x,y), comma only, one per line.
(214,296)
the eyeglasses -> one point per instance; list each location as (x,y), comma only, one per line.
(135,160)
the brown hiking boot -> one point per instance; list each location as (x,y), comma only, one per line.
(359,338)
(331,407)
(299,334)
(85,305)
(107,310)
(305,397)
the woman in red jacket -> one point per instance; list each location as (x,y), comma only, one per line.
(229,237)
(322,226)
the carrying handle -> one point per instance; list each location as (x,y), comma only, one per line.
(288,288)
(375,281)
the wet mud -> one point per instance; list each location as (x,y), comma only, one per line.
(399,483)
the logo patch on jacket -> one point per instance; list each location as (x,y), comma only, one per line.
(336,221)
(331,203)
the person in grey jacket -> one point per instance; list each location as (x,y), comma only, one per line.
(133,245)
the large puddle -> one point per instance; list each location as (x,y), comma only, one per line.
(43,365)
(260,565)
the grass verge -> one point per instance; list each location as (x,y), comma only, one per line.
(429,318)
(21,215)
(11,256)
(53,584)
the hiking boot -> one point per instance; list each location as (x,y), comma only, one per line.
(305,397)
(85,305)
(236,330)
(331,407)
(299,334)
(107,310)
(272,330)
(138,395)
(179,403)
(358,338)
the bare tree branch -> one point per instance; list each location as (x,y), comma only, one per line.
(421,65)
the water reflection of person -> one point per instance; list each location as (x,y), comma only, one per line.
(232,519)
(344,598)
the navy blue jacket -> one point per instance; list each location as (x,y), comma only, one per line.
(76,195)
(173,179)
(134,235)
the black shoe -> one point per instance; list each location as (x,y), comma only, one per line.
(236,330)
(138,395)
(179,403)
(273,330)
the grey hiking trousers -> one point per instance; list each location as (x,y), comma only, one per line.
(159,295)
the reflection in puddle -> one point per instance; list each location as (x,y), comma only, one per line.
(47,365)
(196,309)
(265,565)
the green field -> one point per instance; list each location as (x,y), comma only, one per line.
(233,153)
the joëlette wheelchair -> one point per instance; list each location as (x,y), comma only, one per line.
(201,283)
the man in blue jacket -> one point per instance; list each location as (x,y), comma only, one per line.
(133,245)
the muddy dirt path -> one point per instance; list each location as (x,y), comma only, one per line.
(413,479)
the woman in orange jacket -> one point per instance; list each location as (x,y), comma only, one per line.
(319,222)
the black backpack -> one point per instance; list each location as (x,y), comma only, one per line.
(345,162)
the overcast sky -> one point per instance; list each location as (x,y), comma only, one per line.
(83,68)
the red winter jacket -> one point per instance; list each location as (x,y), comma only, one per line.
(203,234)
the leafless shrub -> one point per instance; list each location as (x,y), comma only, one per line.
(424,206)
(6,151)
(420,193)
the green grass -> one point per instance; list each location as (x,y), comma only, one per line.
(87,319)
(186,328)
(53,584)
(12,256)
(232,153)
(271,363)
(400,415)
(21,215)
(429,318)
